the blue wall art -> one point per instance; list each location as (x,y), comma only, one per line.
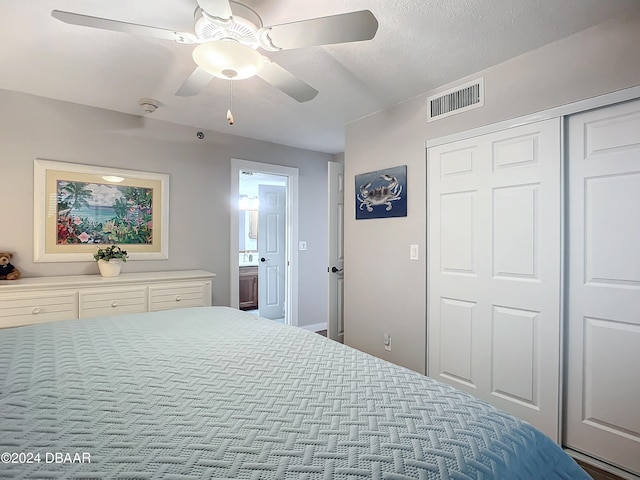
(382,193)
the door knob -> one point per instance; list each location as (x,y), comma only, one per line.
(262,259)
(336,270)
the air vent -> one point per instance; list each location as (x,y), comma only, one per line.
(456,100)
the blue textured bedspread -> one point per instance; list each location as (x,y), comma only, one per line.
(214,393)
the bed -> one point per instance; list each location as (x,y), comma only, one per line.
(215,393)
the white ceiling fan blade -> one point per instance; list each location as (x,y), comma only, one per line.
(286,82)
(117,26)
(216,9)
(342,28)
(196,82)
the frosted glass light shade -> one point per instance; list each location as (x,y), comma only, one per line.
(228,59)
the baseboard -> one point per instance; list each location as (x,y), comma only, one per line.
(601,465)
(316,327)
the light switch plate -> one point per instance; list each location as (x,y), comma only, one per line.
(386,340)
(413,252)
(302,245)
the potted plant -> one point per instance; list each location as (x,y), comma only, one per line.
(110,260)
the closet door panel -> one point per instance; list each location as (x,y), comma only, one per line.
(603,375)
(603,347)
(610,200)
(515,228)
(456,341)
(514,365)
(456,233)
(494,269)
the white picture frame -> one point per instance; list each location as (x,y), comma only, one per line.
(63,234)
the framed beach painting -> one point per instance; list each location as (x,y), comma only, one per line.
(382,193)
(79,207)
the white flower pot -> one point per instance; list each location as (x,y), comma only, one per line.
(110,268)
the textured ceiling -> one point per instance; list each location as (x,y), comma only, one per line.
(420,45)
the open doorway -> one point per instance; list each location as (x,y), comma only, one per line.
(263,230)
(262,246)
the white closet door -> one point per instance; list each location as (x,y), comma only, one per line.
(494,236)
(603,396)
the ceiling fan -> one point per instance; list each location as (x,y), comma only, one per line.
(228,34)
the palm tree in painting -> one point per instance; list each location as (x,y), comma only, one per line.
(74,194)
(71,195)
(133,221)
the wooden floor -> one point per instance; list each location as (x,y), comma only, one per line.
(597,473)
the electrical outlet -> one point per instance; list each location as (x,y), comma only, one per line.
(386,340)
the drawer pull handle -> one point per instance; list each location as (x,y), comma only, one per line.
(114,304)
(177,298)
(36,310)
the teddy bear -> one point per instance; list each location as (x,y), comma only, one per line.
(8,271)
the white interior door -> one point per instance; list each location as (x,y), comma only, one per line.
(271,251)
(336,252)
(494,237)
(603,390)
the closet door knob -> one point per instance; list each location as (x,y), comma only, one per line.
(177,298)
(35,310)
(114,304)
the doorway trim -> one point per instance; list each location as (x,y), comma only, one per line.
(291,286)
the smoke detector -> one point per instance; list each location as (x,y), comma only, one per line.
(149,105)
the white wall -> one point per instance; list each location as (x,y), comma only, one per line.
(35,127)
(384,290)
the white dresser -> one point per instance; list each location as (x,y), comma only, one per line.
(43,299)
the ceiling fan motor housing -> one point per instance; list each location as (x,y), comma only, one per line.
(243,27)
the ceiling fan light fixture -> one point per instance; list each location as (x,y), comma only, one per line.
(220,58)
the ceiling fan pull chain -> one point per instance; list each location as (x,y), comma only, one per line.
(229,114)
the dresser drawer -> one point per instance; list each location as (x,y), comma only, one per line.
(112,301)
(23,309)
(176,295)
